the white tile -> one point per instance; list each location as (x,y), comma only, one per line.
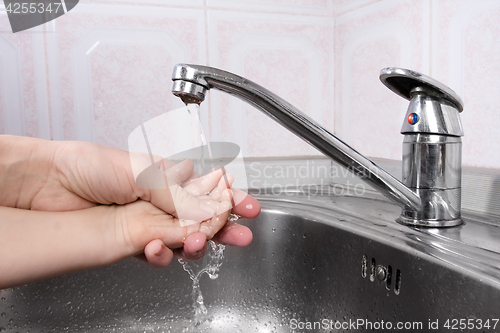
(11,95)
(39,61)
(20,85)
(467,58)
(53,77)
(289,55)
(373,36)
(114,64)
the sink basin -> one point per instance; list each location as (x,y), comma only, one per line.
(317,264)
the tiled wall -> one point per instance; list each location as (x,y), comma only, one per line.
(104,68)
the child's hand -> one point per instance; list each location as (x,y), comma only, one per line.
(195,244)
(212,192)
(141,227)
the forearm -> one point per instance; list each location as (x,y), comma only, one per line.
(25,165)
(38,245)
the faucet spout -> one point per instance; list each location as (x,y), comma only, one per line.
(191,83)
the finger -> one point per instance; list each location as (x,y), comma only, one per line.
(225,183)
(191,179)
(180,172)
(205,184)
(149,223)
(209,203)
(164,164)
(189,207)
(153,176)
(245,205)
(157,180)
(179,202)
(174,236)
(194,248)
(211,227)
(234,234)
(157,254)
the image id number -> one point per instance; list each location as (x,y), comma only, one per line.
(31,8)
(462,324)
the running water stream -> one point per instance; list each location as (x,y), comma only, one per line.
(199,137)
(212,260)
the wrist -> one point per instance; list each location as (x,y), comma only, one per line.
(25,164)
(116,238)
(105,235)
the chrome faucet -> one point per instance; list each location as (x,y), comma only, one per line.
(430,193)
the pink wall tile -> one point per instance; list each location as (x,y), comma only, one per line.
(278,70)
(368,116)
(22,111)
(290,57)
(468,59)
(128,90)
(130,68)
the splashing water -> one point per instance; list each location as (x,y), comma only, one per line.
(210,265)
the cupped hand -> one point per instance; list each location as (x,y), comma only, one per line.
(141,226)
(218,229)
(195,244)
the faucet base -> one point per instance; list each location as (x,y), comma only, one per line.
(429,223)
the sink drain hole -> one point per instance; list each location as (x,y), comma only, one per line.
(397,287)
(373,270)
(364,266)
(388,280)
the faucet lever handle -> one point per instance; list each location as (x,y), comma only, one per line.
(406,83)
(434,108)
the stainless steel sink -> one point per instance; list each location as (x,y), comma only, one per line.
(317,264)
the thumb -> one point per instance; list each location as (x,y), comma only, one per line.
(157,254)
